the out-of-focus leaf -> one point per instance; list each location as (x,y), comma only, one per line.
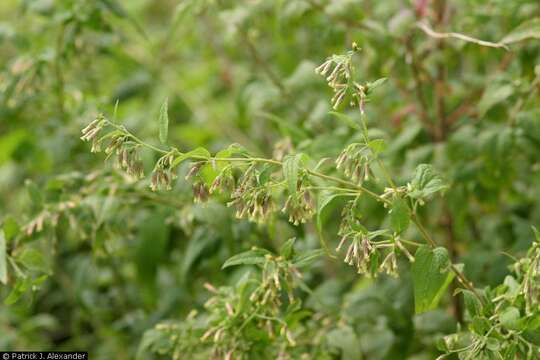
(250,257)
(33,259)
(3,259)
(377,145)
(346,341)
(287,249)
(530,29)
(346,119)
(200,243)
(494,94)
(164,122)
(511,318)
(308,257)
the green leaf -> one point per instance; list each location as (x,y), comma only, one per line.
(250,257)
(22,285)
(287,249)
(33,260)
(3,259)
(307,258)
(527,30)
(346,119)
(494,94)
(431,276)
(323,203)
(35,193)
(375,84)
(164,122)
(345,339)
(200,244)
(425,182)
(198,152)
(472,303)
(399,215)
(288,128)
(377,145)
(291,169)
(510,318)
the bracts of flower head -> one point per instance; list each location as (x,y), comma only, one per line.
(355,162)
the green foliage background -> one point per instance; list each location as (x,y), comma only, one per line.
(95,259)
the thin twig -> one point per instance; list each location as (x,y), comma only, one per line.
(437,35)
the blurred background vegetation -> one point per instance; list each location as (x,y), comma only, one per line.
(95,259)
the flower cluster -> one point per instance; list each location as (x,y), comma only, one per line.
(355,161)
(367,248)
(300,207)
(259,304)
(163,174)
(252,199)
(127,151)
(91,132)
(339,73)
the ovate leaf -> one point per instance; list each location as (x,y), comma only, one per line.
(511,318)
(431,276)
(3,257)
(251,257)
(11,228)
(377,145)
(323,203)
(425,182)
(375,84)
(164,122)
(399,215)
(527,30)
(198,153)
(495,93)
(472,303)
(33,259)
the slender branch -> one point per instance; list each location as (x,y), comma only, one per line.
(446,35)
(337,180)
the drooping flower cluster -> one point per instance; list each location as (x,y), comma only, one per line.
(355,161)
(163,174)
(260,304)
(127,151)
(300,205)
(367,248)
(91,132)
(251,198)
(339,73)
